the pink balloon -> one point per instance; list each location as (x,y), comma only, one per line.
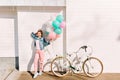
(62,25)
(57,36)
(52,36)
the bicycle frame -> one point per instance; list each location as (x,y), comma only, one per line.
(77,60)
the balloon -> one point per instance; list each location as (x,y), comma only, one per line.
(58,31)
(49,29)
(57,36)
(52,36)
(62,25)
(55,24)
(46,32)
(60,18)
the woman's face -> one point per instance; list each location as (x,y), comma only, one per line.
(39,34)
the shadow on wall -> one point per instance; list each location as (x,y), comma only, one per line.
(118,39)
(32,57)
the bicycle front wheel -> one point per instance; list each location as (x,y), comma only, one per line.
(92,67)
(62,68)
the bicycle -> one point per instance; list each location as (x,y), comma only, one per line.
(91,66)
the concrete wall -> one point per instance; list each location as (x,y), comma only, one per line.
(95,23)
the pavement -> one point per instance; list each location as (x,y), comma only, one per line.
(24,75)
(6,67)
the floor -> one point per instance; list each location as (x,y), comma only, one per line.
(50,76)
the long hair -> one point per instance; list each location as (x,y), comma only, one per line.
(40,32)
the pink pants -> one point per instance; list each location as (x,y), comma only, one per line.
(39,57)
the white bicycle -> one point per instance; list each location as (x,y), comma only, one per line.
(91,66)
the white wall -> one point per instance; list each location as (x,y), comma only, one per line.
(7,25)
(30,20)
(96,23)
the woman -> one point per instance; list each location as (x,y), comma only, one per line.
(40,43)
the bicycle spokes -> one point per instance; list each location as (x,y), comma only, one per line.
(92,67)
(62,67)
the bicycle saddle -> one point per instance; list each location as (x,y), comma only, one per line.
(84,47)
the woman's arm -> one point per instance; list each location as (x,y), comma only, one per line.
(46,42)
(33,36)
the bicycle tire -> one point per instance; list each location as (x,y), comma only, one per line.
(86,64)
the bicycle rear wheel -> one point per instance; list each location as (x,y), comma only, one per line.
(62,68)
(92,67)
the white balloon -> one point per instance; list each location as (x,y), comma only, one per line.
(61,12)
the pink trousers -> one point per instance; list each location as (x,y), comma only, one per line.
(39,57)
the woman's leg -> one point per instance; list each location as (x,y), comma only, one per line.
(41,60)
(36,62)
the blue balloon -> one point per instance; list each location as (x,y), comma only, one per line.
(46,32)
(56,24)
(60,18)
(58,31)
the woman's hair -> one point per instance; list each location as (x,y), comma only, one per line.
(40,32)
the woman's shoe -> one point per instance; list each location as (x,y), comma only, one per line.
(35,75)
(40,73)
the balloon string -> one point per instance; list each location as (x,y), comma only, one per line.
(53,46)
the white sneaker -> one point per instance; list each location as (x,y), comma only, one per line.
(40,73)
(35,75)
